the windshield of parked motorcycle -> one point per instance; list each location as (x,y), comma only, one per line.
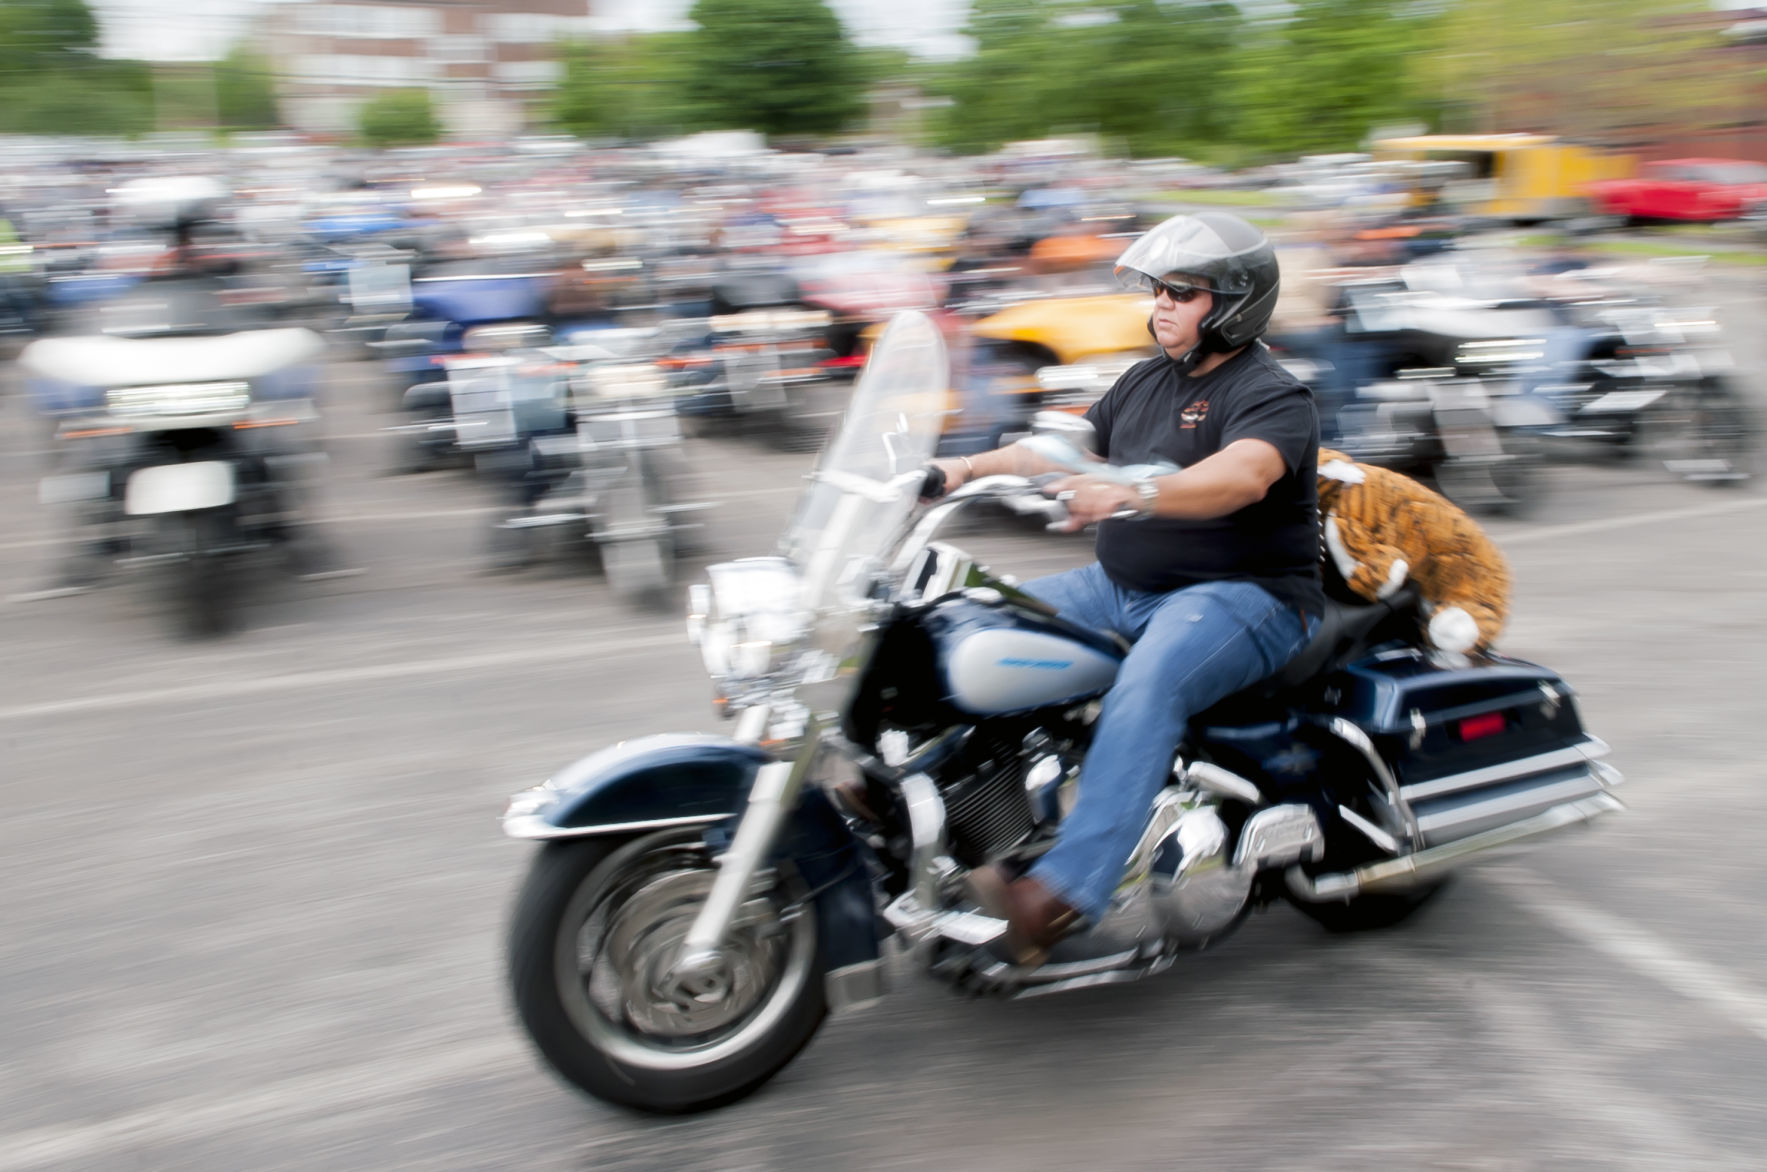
(868,478)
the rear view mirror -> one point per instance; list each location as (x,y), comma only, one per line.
(1075,429)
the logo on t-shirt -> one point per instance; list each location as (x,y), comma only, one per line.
(1193,414)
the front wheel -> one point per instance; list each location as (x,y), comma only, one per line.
(596,930)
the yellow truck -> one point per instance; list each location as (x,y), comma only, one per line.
(1522,177)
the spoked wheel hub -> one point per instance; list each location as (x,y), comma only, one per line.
(619,972)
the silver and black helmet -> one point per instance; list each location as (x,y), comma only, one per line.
(1220,252)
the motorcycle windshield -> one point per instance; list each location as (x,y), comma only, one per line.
(867,481)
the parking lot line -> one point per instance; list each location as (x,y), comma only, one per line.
(438,667)
(1629,521)
(1640,950)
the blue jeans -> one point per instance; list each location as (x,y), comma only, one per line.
(1192,647)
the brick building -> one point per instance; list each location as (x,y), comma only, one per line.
(485,62)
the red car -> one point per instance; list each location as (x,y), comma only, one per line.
(1684,189)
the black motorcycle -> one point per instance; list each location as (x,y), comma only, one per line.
(1422,375)
(699,904)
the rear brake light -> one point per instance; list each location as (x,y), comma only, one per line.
(1474,727)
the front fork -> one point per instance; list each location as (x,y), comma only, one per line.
(771,798)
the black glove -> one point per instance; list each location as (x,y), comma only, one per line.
(933,487)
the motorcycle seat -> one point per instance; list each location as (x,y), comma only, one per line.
(1346,631)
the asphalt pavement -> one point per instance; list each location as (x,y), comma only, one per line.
(254,888)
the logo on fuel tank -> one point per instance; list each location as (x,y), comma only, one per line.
(1038,664)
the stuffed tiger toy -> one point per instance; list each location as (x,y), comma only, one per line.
(1382,528)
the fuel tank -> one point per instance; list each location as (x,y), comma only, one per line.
(996,657)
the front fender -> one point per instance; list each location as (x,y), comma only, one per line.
(647,783)
(658,782)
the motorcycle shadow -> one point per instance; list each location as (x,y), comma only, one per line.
(1280,981)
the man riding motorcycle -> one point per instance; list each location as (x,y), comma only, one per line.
(1214,579)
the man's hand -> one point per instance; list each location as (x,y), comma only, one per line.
(956,472)
(1090,500)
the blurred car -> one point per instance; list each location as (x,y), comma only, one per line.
(1694,190)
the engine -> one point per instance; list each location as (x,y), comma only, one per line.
(987,811)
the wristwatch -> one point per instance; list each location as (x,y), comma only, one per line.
(1149,493)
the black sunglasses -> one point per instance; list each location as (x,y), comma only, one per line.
(1178,293)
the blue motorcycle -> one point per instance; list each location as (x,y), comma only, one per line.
(699,904)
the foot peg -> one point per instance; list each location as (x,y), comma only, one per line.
(917,924)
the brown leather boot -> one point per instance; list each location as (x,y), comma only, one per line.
(1035,916)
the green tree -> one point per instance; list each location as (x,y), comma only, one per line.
(1010,88)
(399,118)
(40,34)
(1152,76)
(630,88)
(109,98)
(776,66)
(1320,76)
(244,96)
(1607,71)
(53,82)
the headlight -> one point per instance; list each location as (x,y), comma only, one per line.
(749,620)
(180,399)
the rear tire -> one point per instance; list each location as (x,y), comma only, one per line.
(201,603)
(1371,912)
(594,928)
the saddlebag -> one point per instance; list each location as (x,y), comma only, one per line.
(1473,747)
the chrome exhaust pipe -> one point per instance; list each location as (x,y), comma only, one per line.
(1397,873)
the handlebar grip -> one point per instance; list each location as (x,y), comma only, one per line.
(933,486)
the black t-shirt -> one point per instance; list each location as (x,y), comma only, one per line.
(1155,413)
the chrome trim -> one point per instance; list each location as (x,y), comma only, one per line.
(773,795)
(855,986)
(1353,736)
(1278,836)
(1401,871)
(917,923)
(1506,771)
(1224,782)
(1169,808)
(533,826)
(926,828)
(751,726)
(1555,792)
(1370,831)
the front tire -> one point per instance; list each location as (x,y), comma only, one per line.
(595,929)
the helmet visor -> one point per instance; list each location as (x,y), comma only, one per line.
(1187,250)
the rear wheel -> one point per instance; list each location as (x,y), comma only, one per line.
(1372,911)
(1704,433)
(596,930)
(201,601)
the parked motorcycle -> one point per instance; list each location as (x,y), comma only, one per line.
(1645,378)
(766,371)
(580,435)
(699,903)
(1425,370)
(181,445)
